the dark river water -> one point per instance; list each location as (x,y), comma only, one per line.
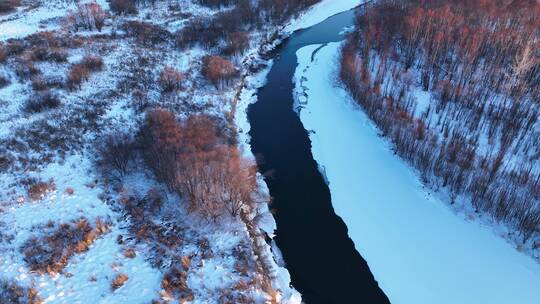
(323,262)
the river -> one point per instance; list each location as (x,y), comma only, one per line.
(321,258)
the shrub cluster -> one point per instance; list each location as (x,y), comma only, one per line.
(41,102)
(170,79)
(81,71)
(49,54)
(26,69)
(77,74)
(147,33)
(174,282)
(87,16)
(192,159)
(212,31)
(218,70)
(42,83)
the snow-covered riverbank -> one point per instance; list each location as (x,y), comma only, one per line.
(417,248)
(319,12)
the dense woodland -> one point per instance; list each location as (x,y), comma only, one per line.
(478,135)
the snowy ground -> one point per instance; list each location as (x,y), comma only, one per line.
(419,250)
(91,272)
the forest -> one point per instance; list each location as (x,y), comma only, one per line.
(476,135)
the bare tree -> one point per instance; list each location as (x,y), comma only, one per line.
(115,154)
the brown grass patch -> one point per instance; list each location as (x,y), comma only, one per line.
(119,281)
(38,190)
(50,253)
(12,293)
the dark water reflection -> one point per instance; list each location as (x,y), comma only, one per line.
(322,260)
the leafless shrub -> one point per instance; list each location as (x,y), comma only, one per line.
(92,63)
(77,75)
(38,84)
(160,137)
(218,70)
(26,69)
(81,71)
(87,16)
(49,54)
(199,31)
(52,81)
(170,79)
(115,155)
(98,15)
(41,102)
(14,47)
(141,208)
(147,33)
(119,281)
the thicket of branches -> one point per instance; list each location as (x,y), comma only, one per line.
(87,16)
(193,160)
(192,157)
(478,137)
(223,27)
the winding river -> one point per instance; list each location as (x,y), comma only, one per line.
(323,262)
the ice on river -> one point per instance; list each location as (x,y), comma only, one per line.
(419,250)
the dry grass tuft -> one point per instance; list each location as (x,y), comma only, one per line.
(119,281)
(174,285)
(38,190)
(130,253)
